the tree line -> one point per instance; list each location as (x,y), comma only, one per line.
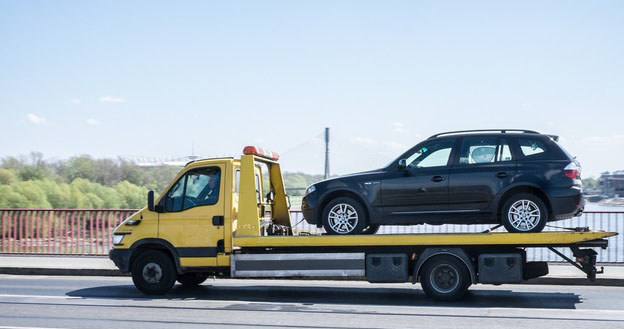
(86,182)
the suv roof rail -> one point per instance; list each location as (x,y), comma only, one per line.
(484,130)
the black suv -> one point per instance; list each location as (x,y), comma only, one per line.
(518,178)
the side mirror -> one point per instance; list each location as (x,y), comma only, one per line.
(402,164)
(150,200)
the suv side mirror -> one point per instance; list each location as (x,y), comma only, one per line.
(150,200)
(402,164)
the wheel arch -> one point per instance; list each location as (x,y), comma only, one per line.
(340,193)
(154,244)
(458,253)
(524,188)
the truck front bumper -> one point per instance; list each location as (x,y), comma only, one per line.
(121,258)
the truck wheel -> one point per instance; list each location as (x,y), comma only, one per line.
(153,272)
(445,278)
(524,213)
(192,279)
(344,215)
(371,229)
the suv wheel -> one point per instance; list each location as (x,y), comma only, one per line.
(524,213)
(153,272)
(344,215)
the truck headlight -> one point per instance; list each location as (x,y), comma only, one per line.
(117,238)
(310,189)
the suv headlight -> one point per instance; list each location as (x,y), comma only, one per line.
(117,238)
(310,189)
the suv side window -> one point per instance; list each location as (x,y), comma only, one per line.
(434,154)
(198,187)
(531,147)
(476,150)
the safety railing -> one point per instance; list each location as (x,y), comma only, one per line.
(59,231)
(89,231)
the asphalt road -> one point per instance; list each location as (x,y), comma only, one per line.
(113,302)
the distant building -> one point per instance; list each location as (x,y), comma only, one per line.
(612,183)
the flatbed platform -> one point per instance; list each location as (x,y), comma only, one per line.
(550,239)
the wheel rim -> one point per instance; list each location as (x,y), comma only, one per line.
(342,218)
(444,278)
(152,273)
(524,215)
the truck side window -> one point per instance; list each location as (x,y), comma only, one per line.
(202,187)
(173,200)
(198,187)
(237,181)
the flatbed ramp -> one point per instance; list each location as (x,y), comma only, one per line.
(548,239)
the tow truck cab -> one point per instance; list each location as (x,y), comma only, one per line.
(230,217)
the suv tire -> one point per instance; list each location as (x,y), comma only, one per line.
(524,213)
(343,216)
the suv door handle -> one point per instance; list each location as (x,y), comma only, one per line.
(502,174)
(438,179)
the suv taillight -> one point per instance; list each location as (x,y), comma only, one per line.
(572,171)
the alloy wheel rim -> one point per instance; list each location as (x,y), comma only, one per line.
(152,273)
(524,215)
(342,218)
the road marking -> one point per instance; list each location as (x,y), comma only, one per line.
(37,296)
(14,327)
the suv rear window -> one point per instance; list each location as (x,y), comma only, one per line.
(530,147)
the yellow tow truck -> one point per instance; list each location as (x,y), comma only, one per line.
(219,217)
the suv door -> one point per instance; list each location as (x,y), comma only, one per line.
(421,189)
(192,220)
(484,166)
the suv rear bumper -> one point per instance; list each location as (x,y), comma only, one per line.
(566,202)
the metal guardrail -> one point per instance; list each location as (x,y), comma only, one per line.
(595,220)
(89,231)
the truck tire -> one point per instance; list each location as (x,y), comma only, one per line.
(192,279)
(344,216)
(445,278)
(524,213)
(153,272)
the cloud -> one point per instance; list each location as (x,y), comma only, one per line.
(75,101)
(35,119)
(93,122)
(112,100)
(399,128)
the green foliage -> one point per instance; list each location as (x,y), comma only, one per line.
(299,181)
(85,182)
(79,182)
(8,176)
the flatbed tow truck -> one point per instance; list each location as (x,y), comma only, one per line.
(236,230)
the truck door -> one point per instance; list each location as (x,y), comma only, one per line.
(193,215)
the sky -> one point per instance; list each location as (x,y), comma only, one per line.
(169,79)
